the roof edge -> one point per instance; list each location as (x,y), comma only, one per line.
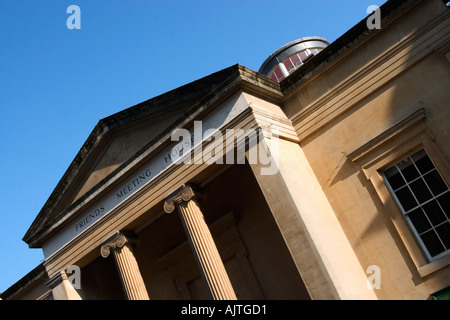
(23,283)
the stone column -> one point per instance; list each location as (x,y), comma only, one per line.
(127,265)
(201,241)
(61,288)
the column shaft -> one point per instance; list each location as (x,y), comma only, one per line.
(131,277)
(202,244)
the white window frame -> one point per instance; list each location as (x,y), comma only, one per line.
(406,215)
(383,151)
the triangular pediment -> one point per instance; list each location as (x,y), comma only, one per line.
(120,145)
(117,138)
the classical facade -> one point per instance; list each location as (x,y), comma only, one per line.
(325,175)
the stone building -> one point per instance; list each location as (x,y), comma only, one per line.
(325,175)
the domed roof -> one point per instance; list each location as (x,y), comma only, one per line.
(291,55)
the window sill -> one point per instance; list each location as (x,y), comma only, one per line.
(434,266)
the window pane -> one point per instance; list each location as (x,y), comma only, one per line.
(278,73)
(298,62)
(406,198)
(425,198)
(419,220)
(420,190)
(422,161)
(394,178)
(444,201)
(295,59)
(435,182)
(302,55)
(274,77)
(434,213)
(444,233)
(288,64)
(432,243)
(407,168)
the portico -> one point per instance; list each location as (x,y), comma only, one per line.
(223,252)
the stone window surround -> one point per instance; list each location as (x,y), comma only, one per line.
(390,146)
(424,200)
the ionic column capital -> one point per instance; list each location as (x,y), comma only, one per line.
(117,240)
(133,283)
(185,193)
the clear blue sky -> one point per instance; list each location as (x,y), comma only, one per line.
(56,83)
